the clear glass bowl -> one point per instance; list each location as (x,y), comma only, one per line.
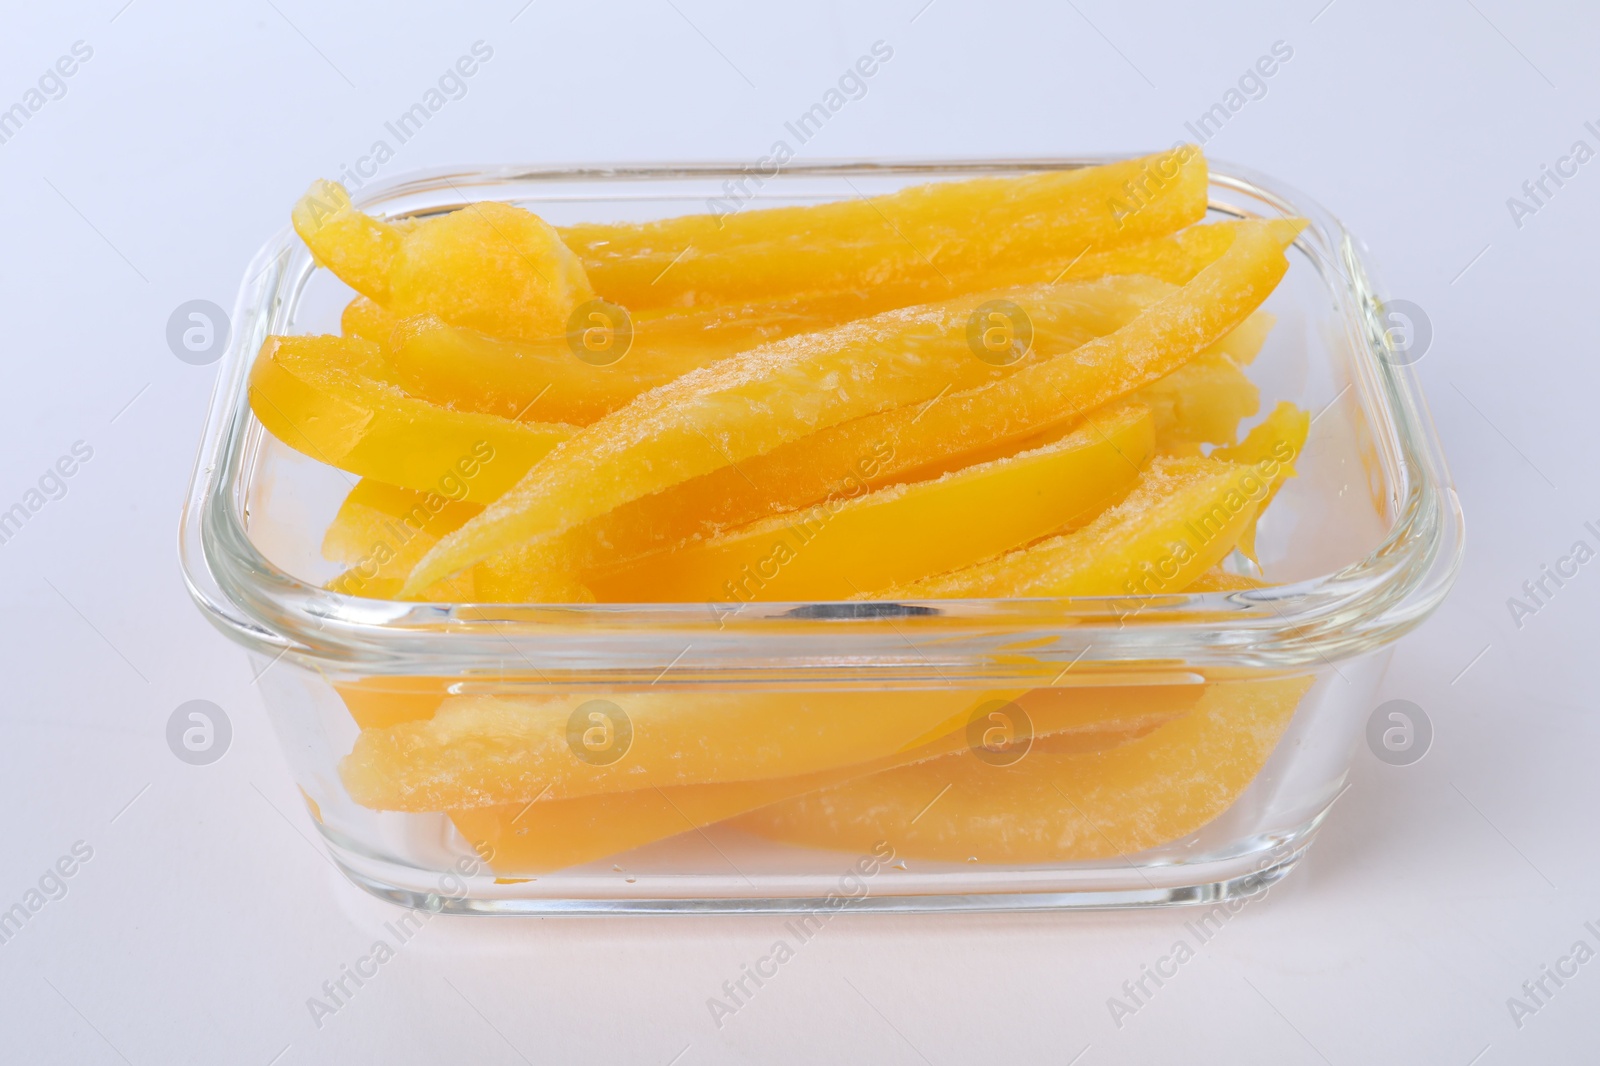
(1101,751)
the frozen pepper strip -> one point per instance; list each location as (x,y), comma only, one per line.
(329,397)
(824,464)
(748,405)
(1055,808)
(1202,402)
(554,379)
(1180,520)
(358,248)
(1272,448)
(925,440)
(472,371)
(478,751)
(532,838)
(487,266)
(912,242)
(846,545)
(1056,391)
(501,269)
(366,318)
(378,519)
(1177,257)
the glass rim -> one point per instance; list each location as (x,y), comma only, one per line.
(1359,607)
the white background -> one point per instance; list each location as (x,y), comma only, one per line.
(206,918)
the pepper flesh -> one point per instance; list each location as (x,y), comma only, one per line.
(527,838)
(846,546)
(749,405)
(332,398)
(1055,808)
(487,266)
(478,751)
(1272,447)
(1181,519)
(912,243)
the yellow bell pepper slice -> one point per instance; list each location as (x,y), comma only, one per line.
(1171,257)
(858,542)
(726,498)
(1202,402)
(1055,807)
(478,751)
(472,371)
(365,318)
(913,243)
(800,474)
(381,702)
(1180,520)
(381,530)
(330,398)
(1272,448)
(752,403)
(381,519)
(749,405)
(487,266)
(501,269)
(545,835)
(539,573)
(358,248)
(811,469)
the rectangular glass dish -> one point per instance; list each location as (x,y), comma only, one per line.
(805,757)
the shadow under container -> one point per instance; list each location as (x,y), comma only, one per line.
(808,757)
